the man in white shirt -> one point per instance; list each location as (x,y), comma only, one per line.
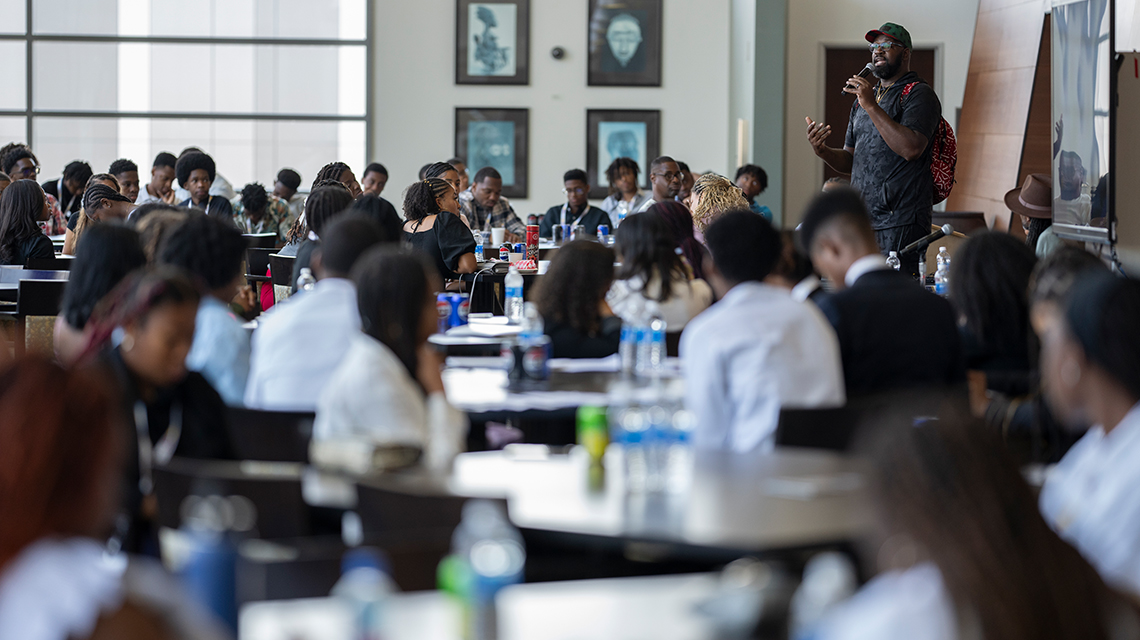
(665,178)
(756,350)
(160,188)
(299,342)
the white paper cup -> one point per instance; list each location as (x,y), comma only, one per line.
(515,257)
(498,235)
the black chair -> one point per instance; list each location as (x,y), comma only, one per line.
(281,436)
(49,264)
(281,509)
(282,275)
(831,429)
(257,263)
(40,297)
(38,302)
(260,240)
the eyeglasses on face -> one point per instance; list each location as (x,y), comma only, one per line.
(884,46)
(670,176)
(575,191)
(30,171)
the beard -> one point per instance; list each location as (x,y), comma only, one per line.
(888,70)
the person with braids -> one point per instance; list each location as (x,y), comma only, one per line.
(18,161)
(576,210)
(160,188)
(464,178)
(22,207)
(340,172)
(1090,367)
(449,174)
(109,252)
(485,207)
(68,190)
(328,200)
(255,211)
(712,196)
(653,271)
(127,173)
(69,237)
(169,409)
(101,203)
(571,297)
(433,226)
(212,251)
(625,195)
(288,181)
(957,546)
(388,389)
(196,174)
(59,494)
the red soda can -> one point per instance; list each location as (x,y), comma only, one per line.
(532,242)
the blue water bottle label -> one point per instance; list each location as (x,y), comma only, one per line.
(514,292)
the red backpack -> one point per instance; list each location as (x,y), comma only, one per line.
(943,155)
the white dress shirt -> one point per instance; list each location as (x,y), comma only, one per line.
(1090,499)
(299,343)
(686,300)
(221,350)
(751,353)
(372,397)
(145,197)
(804,288)
(863,266)
(903,605)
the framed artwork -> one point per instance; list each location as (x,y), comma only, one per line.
(625,43)
(495,138)
(492,42)
(612,134)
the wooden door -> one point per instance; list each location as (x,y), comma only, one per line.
(842,63)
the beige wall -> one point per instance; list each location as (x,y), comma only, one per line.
(815,24)
(416,95)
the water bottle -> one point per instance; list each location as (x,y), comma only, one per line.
(478,245)
(942,275)
(893,261)
(306,281)
(627,348)
(651,341)
(679,463)
(631,433)
(536,345)
(514,286)
(364,585)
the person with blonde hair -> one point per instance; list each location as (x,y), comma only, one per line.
(713,195)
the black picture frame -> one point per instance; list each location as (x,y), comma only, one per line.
(497,52)
(505,126)
(644,125)
(637,24)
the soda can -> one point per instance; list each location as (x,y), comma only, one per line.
(536,359)
(505,252)
(520,247)
(603,233)
(556,234)
(443,310)
(567,232)
(532,242)
(452,309)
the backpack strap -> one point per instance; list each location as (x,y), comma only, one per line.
(908,88)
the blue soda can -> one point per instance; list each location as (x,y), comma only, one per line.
(452,309)
(520,248)
(603,232)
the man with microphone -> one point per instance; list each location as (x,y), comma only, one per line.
(887,150)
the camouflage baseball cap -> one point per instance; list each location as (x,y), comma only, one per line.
(893,31)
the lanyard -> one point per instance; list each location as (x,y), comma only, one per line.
(205,209)
(160,453)
(566,207)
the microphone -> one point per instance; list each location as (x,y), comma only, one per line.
(863,73)
(923,243)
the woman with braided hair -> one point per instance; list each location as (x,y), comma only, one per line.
(340,172)
(100,204)
(434,227)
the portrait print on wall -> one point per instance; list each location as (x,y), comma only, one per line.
(492,42)
(625,43)
(612,134)
(495,138)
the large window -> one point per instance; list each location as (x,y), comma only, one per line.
(258,84)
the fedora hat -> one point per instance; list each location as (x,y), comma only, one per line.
(1034,198)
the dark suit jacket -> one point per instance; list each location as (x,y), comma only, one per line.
(594,217)
(894,334)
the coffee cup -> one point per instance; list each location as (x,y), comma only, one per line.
(497,235)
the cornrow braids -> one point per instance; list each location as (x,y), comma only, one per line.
(331,171)
(715,195)
(99,178)
(420,198)
(437,169)
(95,194)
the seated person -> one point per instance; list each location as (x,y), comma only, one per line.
(576,210)
(893,333)
(434,228)
(255,211)
(100,204)
(756,350)
(19,163)
(160,189)
(156,309)
(1090,364)
(374,180)
(196,173)
(220,187)
(461,168)
(680,222)
(212,251)
(665,178)
(60,497)
(154,221)
(23,206)
(687,180)
(449,174)
(71,233)
(288,181)
(340,172)
(571,297)
(752,181)
(712,196)
(795,272)
(959,550)
(68,190)
(388,389)
(5,180)
(109,252)
(127,174)
(381,213)
(625,196)
(652,274)
(485,207)
(324,204)
(288,372)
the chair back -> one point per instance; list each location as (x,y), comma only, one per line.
(49,264)
(260,240)
(257,261)
(279,436)
(817,428)
(282,275)
(40,297)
